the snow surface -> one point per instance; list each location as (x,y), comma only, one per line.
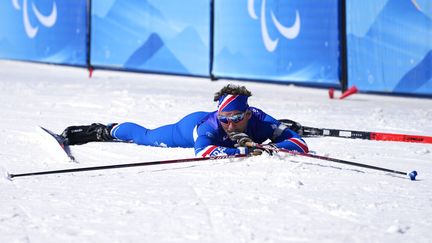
(261,199)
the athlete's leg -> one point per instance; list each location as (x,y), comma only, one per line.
(174,135)
(183,132)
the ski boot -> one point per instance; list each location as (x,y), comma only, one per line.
(96,132)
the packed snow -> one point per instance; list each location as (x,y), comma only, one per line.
(280,198)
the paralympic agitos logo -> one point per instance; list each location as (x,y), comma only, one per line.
(290,32)
(32,29)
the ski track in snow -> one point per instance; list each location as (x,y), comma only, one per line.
(262,199)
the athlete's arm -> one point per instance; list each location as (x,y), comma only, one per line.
(283,137)
(205,147)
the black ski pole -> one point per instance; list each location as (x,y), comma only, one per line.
(106,167)
(412,175)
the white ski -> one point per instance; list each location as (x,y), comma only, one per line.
(56,144)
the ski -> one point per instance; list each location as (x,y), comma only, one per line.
(379,136)
(57,143)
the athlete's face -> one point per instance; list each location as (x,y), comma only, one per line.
(234,121)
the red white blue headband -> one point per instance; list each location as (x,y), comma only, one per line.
(233,102)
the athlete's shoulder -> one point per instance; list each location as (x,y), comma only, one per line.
(210,120)
(256,112)
(209,124)
(259,114)
(263,120)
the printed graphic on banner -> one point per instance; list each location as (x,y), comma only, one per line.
(46,21)
(390,46)
(48,31)
(290,32)
(154,35)
(286,41)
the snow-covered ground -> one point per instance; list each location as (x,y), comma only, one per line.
(261,199)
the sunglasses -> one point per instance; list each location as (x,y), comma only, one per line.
(234,118)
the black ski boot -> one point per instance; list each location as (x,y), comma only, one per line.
(293,125)
(96,132)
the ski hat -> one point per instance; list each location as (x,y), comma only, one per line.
(231,102)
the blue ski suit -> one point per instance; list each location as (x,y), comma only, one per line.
(203,132)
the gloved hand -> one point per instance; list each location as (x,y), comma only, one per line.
(256,151)
(241,139)
(268,148)
(250,150)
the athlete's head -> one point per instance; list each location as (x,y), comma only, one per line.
(233,112)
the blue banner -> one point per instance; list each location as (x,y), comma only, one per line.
(284,41)
(390,46)
(164,36)
(44,30)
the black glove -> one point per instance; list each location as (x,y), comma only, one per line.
(256,151)
(268,148)
(293,125)
(241,139)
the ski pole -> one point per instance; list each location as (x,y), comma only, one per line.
(412,175)
(116,166)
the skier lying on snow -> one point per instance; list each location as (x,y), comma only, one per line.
(222,132)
